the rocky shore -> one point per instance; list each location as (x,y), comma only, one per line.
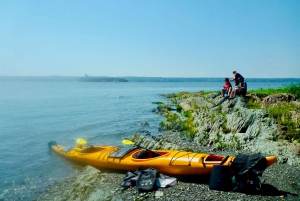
(228,129)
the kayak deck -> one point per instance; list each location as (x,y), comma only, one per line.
(130,158)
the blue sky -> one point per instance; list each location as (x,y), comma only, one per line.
(153,38)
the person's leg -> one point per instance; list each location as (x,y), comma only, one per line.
(232,94)
(222,92)
(229,91)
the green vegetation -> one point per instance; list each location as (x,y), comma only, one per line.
(281,112)
(292,89)
(295,90)
(224,128)
(158,103)
(178,108)
(252,104)
(221,145)
(185,126)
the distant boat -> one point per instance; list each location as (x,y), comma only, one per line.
(87,78)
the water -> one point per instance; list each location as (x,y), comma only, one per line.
(34,113)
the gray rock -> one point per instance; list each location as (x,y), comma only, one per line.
(100,195)
(231,125)
(159,194)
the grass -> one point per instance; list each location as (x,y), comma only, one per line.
(292,89)
(224,128)
(281,113)
(185,126)
(251,104)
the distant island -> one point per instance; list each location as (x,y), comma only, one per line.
(88,78)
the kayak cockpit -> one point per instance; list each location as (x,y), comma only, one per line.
(147,154)
(87,149)
(214,159)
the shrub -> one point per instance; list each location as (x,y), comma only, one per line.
(178,108)
(295,90)
(251,104)
(292,89)
(282,115)
(224,128)
(187,114)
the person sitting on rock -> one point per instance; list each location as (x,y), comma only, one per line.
(226,88)
(237,78)
(239,89)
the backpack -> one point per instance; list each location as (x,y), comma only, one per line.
(247,169)
(142,179)
(147,178)
(130,179)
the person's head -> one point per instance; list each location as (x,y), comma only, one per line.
(234,72)
(226,79)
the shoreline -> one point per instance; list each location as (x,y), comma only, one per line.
(280,181)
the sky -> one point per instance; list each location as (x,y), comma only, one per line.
(150,38)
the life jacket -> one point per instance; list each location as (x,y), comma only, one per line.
(227,85)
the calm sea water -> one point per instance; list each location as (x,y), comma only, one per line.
(34,113)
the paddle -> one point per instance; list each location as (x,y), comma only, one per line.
(81,141)
(128,142)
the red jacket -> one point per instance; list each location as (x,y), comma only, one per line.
(227,85)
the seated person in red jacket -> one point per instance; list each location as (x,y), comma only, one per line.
(226,88)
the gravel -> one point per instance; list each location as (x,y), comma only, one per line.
(279,182)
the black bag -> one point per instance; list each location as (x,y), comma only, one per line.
(220,178)
(146,180)
(130,179)
(246,171)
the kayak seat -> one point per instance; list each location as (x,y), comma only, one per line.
(89,149)
(145,154)
(120,153)
(214,159)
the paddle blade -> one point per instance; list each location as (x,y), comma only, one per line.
(81,141)
(128,142)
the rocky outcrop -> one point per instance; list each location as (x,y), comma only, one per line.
(277,99)
(232,126)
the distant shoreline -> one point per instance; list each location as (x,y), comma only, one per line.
(130,79)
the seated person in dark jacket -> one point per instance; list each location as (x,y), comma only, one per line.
(239,89)
(237,78)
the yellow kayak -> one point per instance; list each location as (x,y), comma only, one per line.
(170,162)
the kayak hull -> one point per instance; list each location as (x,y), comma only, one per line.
(170,162)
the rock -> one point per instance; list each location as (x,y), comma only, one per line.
(277,99)
(145,123)
(100,195)
(256,97)
(159,194)
(234,126)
